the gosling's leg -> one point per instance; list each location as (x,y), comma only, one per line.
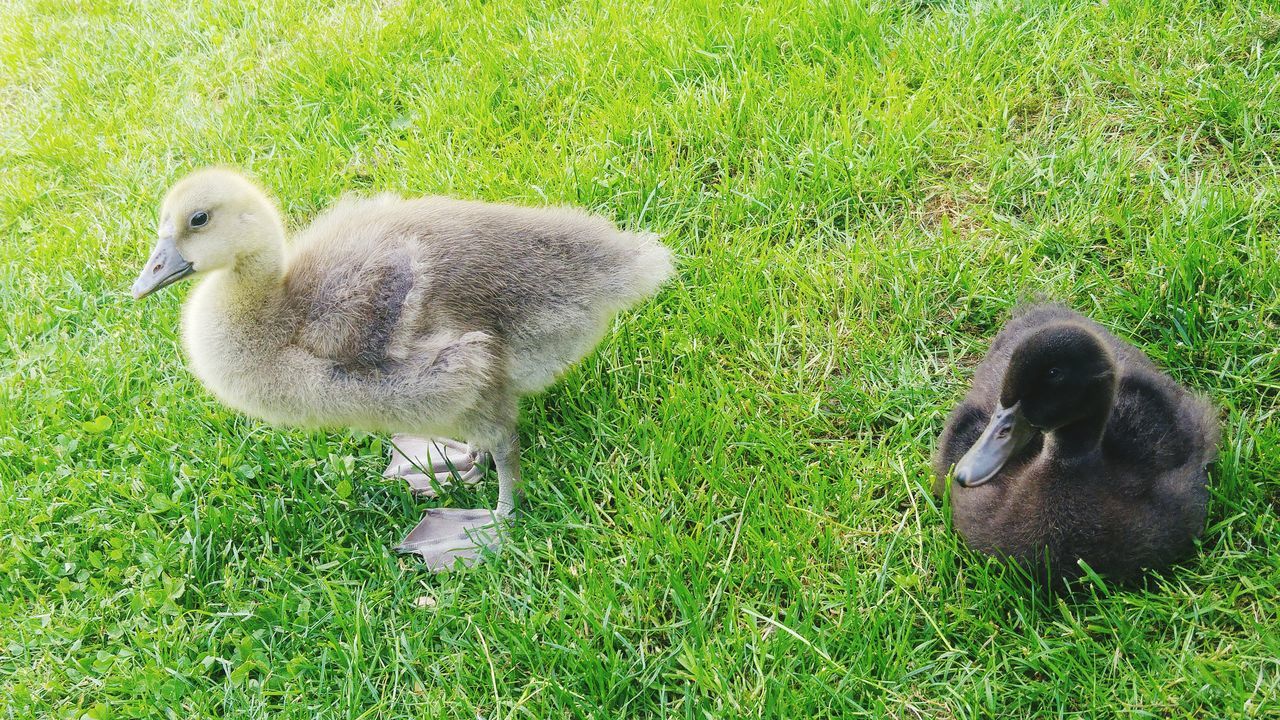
(432,464)
(445,536)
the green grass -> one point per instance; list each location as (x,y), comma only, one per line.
(728,513)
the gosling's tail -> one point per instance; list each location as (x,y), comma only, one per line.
(650,264)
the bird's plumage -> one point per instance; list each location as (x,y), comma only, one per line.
(394,314)
(428,316)
(1135,500)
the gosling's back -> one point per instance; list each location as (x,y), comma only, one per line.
(544,282)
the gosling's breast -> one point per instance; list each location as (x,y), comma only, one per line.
(233,360)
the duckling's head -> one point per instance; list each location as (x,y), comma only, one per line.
(1058,376)
(213,219)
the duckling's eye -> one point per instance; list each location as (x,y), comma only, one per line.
(1054,374)
(199,219)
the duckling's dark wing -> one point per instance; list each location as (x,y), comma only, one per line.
(1144,429)
(1159,438)
(1158,443)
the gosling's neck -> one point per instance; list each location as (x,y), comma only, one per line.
(259,272)
(250,291)
(256,277)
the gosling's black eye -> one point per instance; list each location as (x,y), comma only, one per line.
(199,219)
(1054,374)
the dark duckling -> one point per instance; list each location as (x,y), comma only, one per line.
(1072,445)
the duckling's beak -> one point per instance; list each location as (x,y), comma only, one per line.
(1006,433)
(166,266)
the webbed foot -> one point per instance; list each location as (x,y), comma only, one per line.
(445,536)
(432,464)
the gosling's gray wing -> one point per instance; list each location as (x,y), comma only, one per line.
(352,309)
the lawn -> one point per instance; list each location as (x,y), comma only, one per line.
(728,511)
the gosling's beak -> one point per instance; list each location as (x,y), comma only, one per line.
(1005,435)
(166,266)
